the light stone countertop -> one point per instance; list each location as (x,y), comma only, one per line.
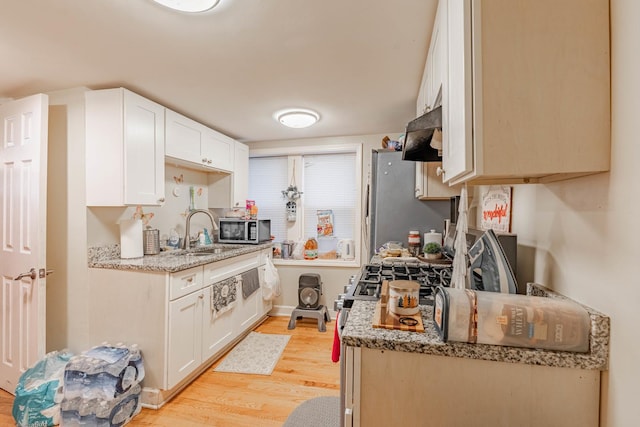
(169,261)
(359,332)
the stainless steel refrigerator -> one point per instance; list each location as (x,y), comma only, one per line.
(393,210)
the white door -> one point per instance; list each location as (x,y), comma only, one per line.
(23,179)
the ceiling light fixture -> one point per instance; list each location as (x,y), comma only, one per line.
(192,6)
(297,118)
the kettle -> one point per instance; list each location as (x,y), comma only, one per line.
(346,249)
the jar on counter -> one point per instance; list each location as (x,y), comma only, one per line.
(311,248)
(414,242)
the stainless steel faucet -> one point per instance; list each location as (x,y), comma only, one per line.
(186,244)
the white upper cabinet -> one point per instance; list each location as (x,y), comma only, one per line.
(192,144)
(526,94)
(231,190)
(184,137)
(435,67)
(124,149)
(217,150)
(429,185)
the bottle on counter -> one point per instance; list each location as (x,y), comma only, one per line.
(311,248)
(414,242)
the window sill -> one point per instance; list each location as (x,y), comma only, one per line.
(317,263)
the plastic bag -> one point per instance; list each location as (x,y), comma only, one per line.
(39,391)
(271,288)
(298,250)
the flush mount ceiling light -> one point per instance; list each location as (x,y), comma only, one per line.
(193,6)
(297,117)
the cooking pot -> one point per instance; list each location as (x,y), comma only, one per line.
(346,249)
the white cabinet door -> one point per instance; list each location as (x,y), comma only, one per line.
(457,156)
(185,336)
(437,53)
(231,190)
(429,185)
(352,374)
(217,330)
(248,311)
(184,137)
(240,174)
(124,149)
(143,151)
(217,150)
(435,67)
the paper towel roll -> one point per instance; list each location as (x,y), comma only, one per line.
(131,238)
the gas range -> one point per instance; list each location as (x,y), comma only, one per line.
(368,284)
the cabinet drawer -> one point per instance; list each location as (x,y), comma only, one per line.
(184,282)
(221,270)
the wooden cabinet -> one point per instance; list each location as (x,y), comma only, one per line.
(429,185)
(394,388)
(170,317)
(192,144)
(526,96)
(231,191)
(124,149)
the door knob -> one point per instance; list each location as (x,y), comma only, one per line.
(439,171)
(31,273)
(42,273)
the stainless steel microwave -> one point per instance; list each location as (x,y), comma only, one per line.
(238,230)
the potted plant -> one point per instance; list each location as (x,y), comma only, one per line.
(433,250)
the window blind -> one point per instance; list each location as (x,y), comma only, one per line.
(330,183)
(267,179)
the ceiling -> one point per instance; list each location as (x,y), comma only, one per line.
(357,62)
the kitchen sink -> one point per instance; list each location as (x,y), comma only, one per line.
(211,250)
(207,252)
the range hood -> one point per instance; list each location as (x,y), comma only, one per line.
(423,138)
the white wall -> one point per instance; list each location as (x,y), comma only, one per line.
(103,221)
(581,236)
(333,278)
(67,287)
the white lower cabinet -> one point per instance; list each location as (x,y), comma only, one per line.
(170,317)
(185,336)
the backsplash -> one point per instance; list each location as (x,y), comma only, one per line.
(102,222)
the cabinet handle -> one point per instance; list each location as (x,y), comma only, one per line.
(439,171)
(209,162)
(204,160)
(201,296)
(161,200)
(190,279)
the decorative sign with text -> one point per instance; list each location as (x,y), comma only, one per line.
(496,209)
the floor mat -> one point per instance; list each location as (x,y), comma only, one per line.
(258,353)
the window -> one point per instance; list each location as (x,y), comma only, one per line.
(329,178)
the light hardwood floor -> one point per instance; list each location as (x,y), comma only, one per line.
(221,399)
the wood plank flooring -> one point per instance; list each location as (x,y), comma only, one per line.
(225,399)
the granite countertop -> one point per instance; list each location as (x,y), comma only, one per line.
(169,261)
(359,332)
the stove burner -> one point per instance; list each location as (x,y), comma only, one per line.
(367,285)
